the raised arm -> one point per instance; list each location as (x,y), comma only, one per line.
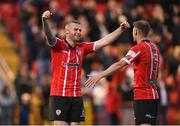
(49,36)
(112,36)
(114,67)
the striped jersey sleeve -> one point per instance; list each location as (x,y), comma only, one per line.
(133,54)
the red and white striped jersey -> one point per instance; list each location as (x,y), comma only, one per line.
(144,58)
(66,63)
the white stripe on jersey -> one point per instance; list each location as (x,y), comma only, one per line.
(94,46)
(153,93)
(66,70)
(76,75)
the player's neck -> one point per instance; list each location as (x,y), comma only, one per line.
(141,38)
(70,42)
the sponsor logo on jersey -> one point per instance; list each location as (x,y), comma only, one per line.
(73,64)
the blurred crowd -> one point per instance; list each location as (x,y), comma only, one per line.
(110,102)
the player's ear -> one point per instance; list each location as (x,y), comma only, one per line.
(135,32)
(66,31)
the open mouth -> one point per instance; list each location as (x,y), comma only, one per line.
(78,36)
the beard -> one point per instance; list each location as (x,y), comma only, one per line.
(76,38)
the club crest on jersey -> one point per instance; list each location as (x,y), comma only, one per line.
(79,52)
(58,112)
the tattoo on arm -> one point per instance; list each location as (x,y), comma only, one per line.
(49,36)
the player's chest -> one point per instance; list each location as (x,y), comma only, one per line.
(72,55)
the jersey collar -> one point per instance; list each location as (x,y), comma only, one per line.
(70,45)
(145,39)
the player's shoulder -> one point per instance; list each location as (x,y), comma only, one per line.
(60,39)
(84,43)
(140,45)
(137,46)
(59,42)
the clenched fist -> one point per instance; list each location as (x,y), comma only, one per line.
(46,15)
(124,25)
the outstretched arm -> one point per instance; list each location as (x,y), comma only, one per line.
(112,36)
(49,36)
(114,67)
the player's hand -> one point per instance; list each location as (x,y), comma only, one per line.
(124,25)
(46,15)
(92,81)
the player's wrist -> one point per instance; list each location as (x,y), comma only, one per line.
(102,75)
(122,28)
(44,19)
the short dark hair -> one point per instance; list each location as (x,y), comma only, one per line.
(143,26)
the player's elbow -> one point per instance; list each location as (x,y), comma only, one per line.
(50,41)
